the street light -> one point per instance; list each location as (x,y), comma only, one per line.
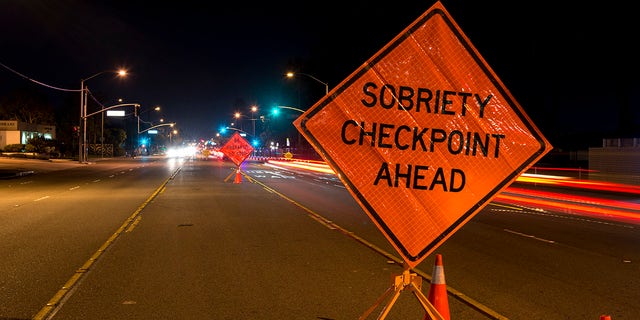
(82,144)
(237,116)
(156,126)
(293,74)
(138,113)
(153,127)
(135,105)
(171,134)
(111,107)
(254,109)
(171,124)
(102,132)
(236,129)
(157,108)
(275,109)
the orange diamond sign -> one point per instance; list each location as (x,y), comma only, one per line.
(237,149)
(424,134)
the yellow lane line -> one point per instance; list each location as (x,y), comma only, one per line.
(505,206)
(65,292)
(488,312)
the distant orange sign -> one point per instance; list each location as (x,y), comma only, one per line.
(237,149)
(437,135)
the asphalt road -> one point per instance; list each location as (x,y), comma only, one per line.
(156,239)
(207,248)
(11,168)
(53,220)
(523,263)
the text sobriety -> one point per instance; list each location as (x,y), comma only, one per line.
(454,142)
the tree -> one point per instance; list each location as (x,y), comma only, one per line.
(27,105)
(116,137)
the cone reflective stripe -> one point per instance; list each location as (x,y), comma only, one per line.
(438,290)
(238,178)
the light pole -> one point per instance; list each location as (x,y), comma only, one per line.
(158,125)
(293,74)
(103,109)
(153,127)
(102,132)
(156,108)
(253,118)
(239,130)
(171,134)
(237,116)
(275,112)
(82,144)
(275,109)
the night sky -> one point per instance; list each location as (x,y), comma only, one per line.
(574,69)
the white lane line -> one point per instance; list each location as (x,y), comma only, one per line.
(529,236)
(45,197)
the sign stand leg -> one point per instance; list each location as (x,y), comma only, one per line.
(237,171)
(406,280)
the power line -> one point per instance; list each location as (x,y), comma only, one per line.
(38,82)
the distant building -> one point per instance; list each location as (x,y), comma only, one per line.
(618,160)
(17,132)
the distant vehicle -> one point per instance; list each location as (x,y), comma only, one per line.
(181,152)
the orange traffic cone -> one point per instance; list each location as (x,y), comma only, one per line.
(238,178)
(438,290)
(605,317)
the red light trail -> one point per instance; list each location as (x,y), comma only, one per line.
(600,207)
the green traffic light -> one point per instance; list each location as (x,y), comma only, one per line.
(275,111)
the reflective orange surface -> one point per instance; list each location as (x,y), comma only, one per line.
(423,134)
